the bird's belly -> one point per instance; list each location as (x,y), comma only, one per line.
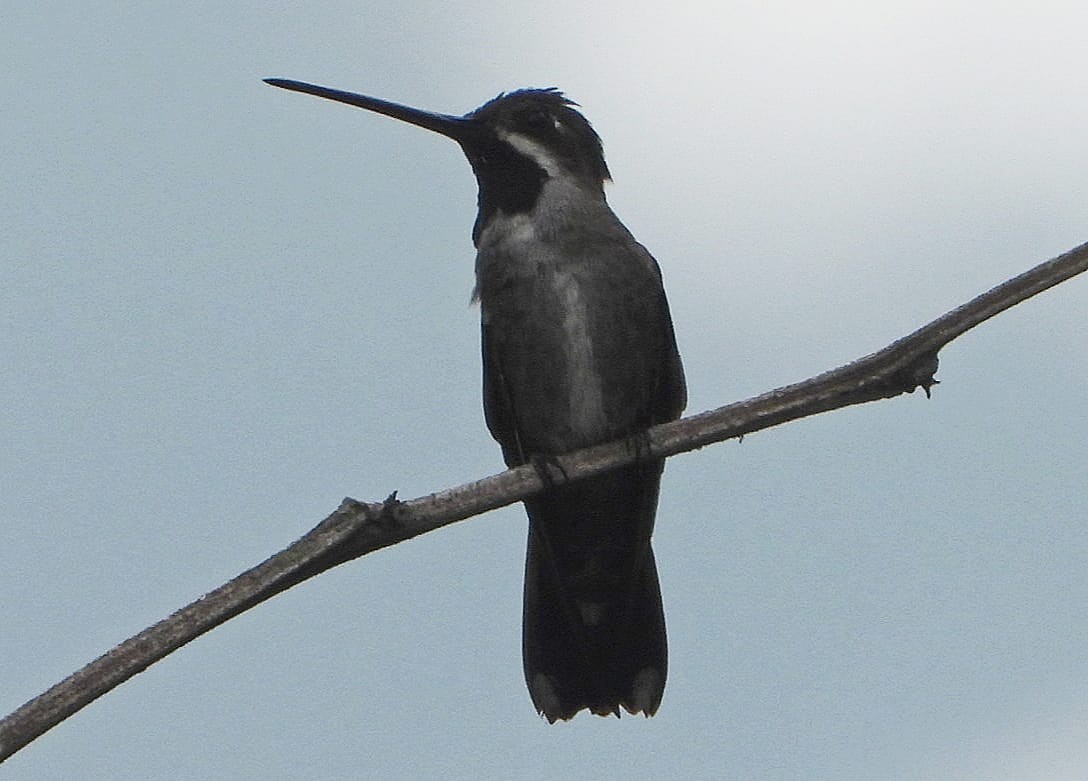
(585,411)
(562,362)
(566,336)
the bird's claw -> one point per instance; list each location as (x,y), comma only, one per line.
(547,468)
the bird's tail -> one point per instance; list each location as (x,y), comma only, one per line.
(594,627)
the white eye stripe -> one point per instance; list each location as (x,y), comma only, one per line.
(533,150)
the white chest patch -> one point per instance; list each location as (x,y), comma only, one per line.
(508,234)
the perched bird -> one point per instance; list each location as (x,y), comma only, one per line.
(578,349)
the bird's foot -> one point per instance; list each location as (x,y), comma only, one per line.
(549,470)
(640,446)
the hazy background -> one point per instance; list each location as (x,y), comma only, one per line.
(223,307)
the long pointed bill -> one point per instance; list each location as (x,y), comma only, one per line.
(457,128)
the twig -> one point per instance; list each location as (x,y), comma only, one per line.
(357,528)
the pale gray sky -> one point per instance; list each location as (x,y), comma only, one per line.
(223,307)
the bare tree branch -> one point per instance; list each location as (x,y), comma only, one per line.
(357,528)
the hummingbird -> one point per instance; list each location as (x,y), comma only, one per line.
(578,349)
